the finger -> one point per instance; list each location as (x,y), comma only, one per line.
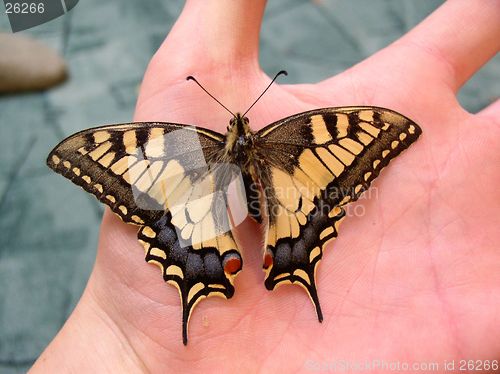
(211,34)
(457,39)
(212,40)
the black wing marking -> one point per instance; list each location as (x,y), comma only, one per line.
(316,162)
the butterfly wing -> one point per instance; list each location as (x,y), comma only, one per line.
(170,180)
(316,162)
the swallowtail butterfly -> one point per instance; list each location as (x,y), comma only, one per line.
(295,176)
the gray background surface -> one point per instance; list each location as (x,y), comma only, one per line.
(49,227)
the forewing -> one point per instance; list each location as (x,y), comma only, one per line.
(317,162)
(117,163)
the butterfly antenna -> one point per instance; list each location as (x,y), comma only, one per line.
(282,72)
(191,78)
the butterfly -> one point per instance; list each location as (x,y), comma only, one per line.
(179,184)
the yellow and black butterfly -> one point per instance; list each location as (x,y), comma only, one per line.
(295,176)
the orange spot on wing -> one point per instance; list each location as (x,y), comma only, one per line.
(232,264)
(268,259)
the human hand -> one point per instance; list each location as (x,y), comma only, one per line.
(420,284)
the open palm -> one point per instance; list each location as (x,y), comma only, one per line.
(414,275)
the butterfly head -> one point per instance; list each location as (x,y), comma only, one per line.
(239,124)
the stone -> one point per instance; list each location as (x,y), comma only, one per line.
(28,65)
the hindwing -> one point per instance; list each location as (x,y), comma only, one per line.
(316,162)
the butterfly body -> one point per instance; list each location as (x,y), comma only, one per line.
(239,145)
(295,176)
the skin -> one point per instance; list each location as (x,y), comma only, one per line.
(414,279)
